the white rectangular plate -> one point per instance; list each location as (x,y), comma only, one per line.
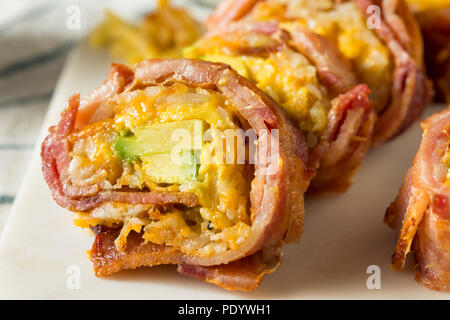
(344,234)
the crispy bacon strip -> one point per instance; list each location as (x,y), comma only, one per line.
(261,113)
(345,142)
(421,211)
(118,78)
(350,121)
(107,260)
(334,71)
(410,93)
(228,11)
(277,191)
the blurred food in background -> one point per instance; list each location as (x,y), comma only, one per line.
(434,20)
(162,33)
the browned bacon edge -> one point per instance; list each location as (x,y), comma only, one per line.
(276,200)
(435,25)
(421,211)
(410,92)
(334,71)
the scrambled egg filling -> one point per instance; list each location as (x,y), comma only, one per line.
(284,75)
(220,222)
(161,34)
(345,25)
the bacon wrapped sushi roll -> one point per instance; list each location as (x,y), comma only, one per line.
(309,78)
(112,160)
(422,209)
(434,20)
(388,58)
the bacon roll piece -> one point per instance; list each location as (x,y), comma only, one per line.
(434,20)
(421,211)
(145,161)
(388,56)
(309,78)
